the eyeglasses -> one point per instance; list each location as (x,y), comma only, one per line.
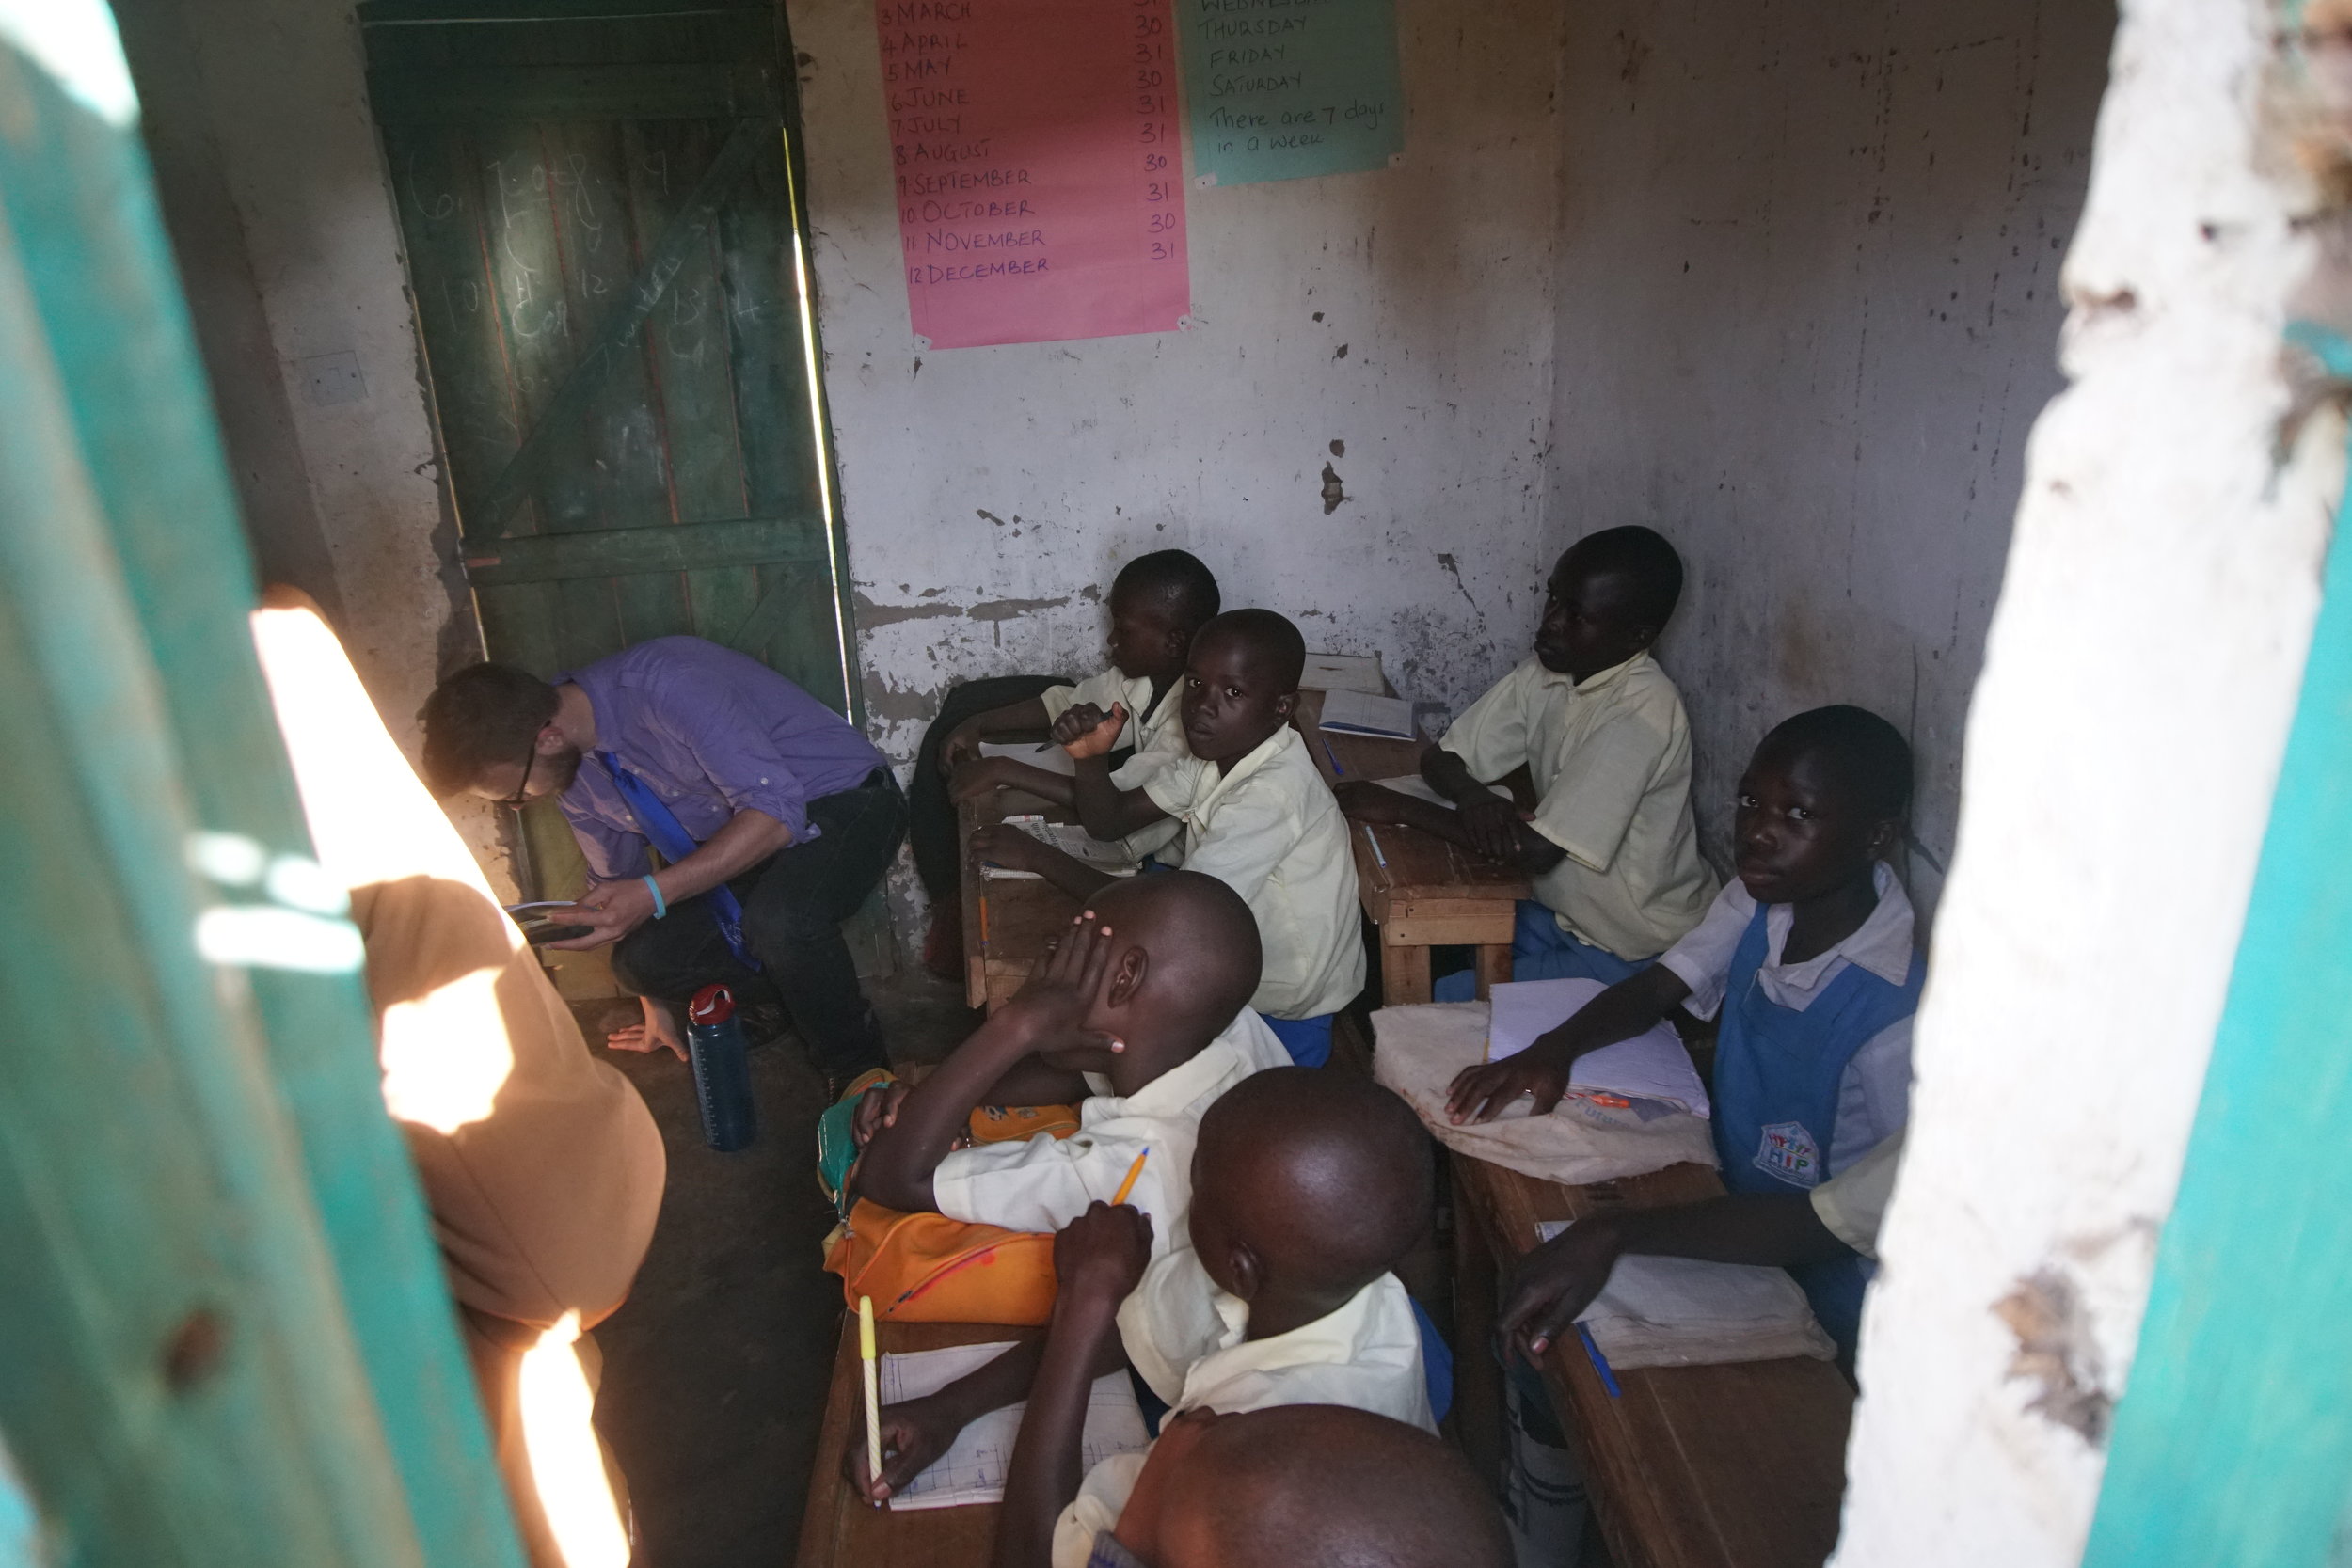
(521,797)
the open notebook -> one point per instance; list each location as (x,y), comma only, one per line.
(1105,856)
(1652,1064)
(973,1471)
(1052,759)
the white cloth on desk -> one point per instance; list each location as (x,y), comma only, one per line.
(1874,1092)
(1046,1182)
(1418,1049)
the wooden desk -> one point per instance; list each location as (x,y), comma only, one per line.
(1731,1466)
(1430,894)
(840,1529)
(1007,921)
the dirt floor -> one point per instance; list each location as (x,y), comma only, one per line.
(714,1371)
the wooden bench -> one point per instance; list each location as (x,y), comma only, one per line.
(839,1528)
(1420,891)
(1730,1467)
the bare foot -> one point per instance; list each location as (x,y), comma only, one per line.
(655,1033)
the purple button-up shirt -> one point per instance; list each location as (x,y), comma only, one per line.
(714,732)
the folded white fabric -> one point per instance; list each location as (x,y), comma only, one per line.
(1676,1312)
(1417,1052)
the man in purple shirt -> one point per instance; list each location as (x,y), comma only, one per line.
(774,816)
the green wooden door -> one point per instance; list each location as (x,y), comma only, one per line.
(601,227)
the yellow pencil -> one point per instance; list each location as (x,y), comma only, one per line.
(1133,1172)
(873,1386)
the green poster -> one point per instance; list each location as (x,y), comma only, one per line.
(1281,89)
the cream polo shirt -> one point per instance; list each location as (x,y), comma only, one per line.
(1272,832)
(1157,738)
(1611,760)
(1854,1205)
(1044,1184)
(1874,1093)
(1186,1337)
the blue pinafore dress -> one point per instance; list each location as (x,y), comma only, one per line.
(1776,1096)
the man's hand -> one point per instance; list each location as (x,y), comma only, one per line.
(1483,1092)
(1555,1282)
(962,745)
(1492,827)
(1100,1256)
(611,911)
(914,1436)
(1052,1004)
(1001,844)
(1085,731)
(1366,801)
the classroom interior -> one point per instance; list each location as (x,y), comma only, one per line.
(1797,286)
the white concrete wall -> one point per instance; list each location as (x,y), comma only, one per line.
(1807,309)
(282,221)
(2140,678)
(1402,315)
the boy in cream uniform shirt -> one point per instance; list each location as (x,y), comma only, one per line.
(1308,1189)
(1256,816)
(1611,848)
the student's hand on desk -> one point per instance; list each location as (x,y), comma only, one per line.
(1086,731)
(1492,827)
(978,777)
(1483,1092)
(1007,847)
(611,911)
(962,745)
(1555,1282)
(1366,801)
(1100,1256)
(914,1436)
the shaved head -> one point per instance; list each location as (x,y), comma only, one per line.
(1203,942)
(1326,1177)
(1321,1486)
(1274,645)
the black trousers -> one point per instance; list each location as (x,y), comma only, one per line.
(794,903)
(931,815)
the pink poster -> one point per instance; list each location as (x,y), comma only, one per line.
(1040,177)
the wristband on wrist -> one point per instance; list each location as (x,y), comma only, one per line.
(661,905)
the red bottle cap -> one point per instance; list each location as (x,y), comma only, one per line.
(713,1004)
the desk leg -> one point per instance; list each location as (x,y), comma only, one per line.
(1494,968)
(1477,1416)
(1403,976)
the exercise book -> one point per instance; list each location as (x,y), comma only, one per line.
(1052,759)
(1363,713)
(1071,839)
(1344,673)
(1680,1312)
(973,1471)
(1653,1064)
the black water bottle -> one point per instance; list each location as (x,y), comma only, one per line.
(723,1070)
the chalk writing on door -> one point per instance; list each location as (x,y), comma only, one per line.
(1038,168)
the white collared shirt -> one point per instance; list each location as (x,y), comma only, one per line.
(1611,761)
(1156,736)
(1271,831)
(1044,1184)
(1874,1094)
(1189,1338)
(1365,1355)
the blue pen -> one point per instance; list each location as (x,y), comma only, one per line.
(1600,1362)
(1337,772)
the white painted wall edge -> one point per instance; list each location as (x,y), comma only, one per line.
(2142,669)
